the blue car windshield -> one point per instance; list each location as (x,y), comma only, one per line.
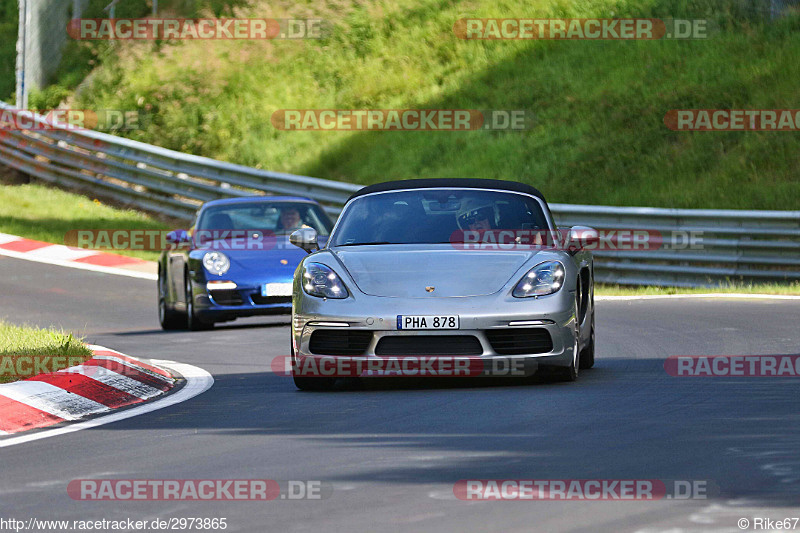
(274,217)
(432,216)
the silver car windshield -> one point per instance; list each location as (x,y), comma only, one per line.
(433,216)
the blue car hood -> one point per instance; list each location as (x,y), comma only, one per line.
(260,266)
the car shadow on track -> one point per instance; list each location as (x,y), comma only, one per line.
(218,327)
(625,419)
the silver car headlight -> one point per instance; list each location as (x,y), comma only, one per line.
(321,281)
(544,278)
(216,262)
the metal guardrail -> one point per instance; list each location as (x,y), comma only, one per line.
(733,245)
(146,176)
(706,246)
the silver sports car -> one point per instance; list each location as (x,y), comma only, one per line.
(464,268)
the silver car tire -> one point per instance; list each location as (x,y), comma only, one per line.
(587,354)
(306,383)
(570,373)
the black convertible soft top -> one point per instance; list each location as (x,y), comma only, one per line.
(469,183)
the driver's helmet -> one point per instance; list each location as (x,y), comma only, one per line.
(472,209)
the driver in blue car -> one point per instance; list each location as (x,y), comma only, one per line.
(290,219)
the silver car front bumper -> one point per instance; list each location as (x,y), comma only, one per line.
(477,316)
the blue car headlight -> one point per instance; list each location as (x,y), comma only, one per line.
(321,281)
(544,278)
(216,262)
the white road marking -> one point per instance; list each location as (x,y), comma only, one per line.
(81,266)
(113,379)
(98,348)
(197,382)
(60,253)
(134,366)
(443,495)
(51,399)
(5,237)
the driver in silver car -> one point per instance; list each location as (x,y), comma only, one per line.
(475,216)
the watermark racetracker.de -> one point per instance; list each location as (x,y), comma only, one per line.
(781,366)
(581,28)
(409,366)
(138,29)
(160,240)
(603,239)
(402,119)
(26,366)
(197,489)
(733,119)
(582,489)
(73,119)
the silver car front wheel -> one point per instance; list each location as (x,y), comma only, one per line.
(570,373)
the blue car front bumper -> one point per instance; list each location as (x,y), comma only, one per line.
(228,304)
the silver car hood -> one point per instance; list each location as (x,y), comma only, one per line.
(407,271)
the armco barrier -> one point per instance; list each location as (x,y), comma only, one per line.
(147,176)
(731,244)
(755,246)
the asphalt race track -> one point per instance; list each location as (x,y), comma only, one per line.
(393,451)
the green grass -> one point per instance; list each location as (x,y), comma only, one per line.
(18,341)
(9,24)
(599,136)
(79,58)
(792,289)
(42,213)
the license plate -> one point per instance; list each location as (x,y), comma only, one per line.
(427,322)
(276,289)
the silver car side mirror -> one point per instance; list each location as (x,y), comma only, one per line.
(581,237)
(305,238)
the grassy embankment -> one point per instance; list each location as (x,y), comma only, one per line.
(27,341)
(79,58)
(792,289)
(598,138)
(599,135)
(9,24)
(45,214)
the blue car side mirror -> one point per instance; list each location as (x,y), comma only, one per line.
(178,236)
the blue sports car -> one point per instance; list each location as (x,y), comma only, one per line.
(235,261)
